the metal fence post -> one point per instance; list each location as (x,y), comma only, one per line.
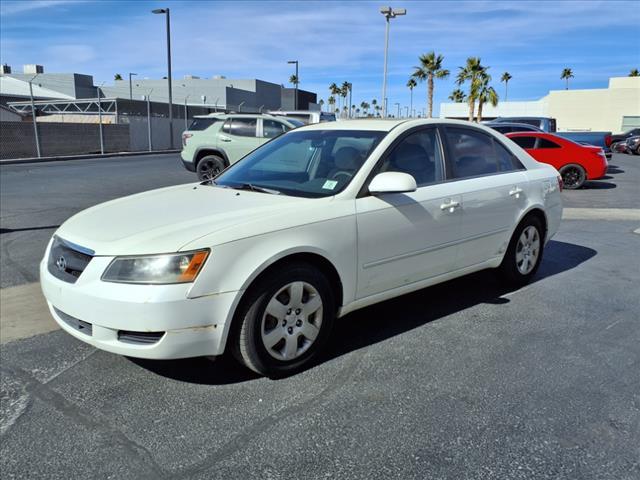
(149,120)
(186,114)
(33,116)
(100,122)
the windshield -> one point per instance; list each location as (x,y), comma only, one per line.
(311,163)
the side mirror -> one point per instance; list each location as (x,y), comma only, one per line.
(392,182)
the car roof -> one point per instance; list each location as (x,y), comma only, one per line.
(224,115)
(386,124)
(513,124)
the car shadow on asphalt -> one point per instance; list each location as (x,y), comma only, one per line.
(598,185)
(385,320)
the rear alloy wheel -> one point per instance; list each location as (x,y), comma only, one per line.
(210,167)
(523,257)
(284,321)
(573,176)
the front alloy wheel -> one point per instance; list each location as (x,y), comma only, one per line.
(284,320)
(291,321)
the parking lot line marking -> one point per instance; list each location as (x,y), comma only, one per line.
(620,214)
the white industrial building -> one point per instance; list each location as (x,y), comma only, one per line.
(615,108)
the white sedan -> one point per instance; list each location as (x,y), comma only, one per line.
(315,224)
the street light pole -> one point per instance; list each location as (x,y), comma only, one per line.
(33,116)
(131,85)
(295,100)
(166,12)
(398,105)
(388,13)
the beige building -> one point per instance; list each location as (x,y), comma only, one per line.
(615,108)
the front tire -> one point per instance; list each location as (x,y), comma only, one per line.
(524,254)
(210,167)
(573,176)
(284,321)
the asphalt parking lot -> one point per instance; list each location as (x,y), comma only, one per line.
(464,380)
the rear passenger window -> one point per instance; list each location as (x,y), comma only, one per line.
(472,153)
(419,155)
(506,160)
(544,143)
(243,127)
(525,142)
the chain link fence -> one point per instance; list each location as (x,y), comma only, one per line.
(94,127)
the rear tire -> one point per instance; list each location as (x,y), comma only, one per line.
(524,254)
(284,321)
(210,167)
(573,176)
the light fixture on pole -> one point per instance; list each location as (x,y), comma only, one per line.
(165,11)
(388,13)
(131,85)
(295,100)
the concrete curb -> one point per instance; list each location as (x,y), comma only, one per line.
(88,156)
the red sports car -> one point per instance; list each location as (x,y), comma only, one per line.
(576,163)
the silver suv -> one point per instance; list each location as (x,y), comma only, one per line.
(215,141)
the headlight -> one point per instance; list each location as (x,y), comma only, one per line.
(156,269)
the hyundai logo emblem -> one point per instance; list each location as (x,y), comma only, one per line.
(61,263)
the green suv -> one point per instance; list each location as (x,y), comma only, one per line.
(215,141)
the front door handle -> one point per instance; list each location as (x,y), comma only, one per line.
(450,206)
(515,192)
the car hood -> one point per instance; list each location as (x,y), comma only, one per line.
(167,219)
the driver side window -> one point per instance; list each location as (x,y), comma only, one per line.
(420,155)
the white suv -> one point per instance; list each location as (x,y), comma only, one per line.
(215,141)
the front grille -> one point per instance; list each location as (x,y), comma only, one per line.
(67,261)
(139,338)
(75,323)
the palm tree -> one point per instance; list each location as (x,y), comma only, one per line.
(334,89)
(321,103)
(634,73)
(344,92)
(566,75)
(471,72)
(411,83)
(506,76)
(457,96)
(430,68)
(332,101)
(485,94)
(365,108)
(117,76)
(293,79)
(377,109)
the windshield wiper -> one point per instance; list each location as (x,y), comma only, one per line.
(255,188)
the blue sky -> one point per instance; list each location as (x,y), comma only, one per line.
(334,41)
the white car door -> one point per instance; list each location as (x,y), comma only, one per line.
(407,237)
(493,185)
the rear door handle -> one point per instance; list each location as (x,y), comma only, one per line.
(515,192)
(450,206)
(224,139)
